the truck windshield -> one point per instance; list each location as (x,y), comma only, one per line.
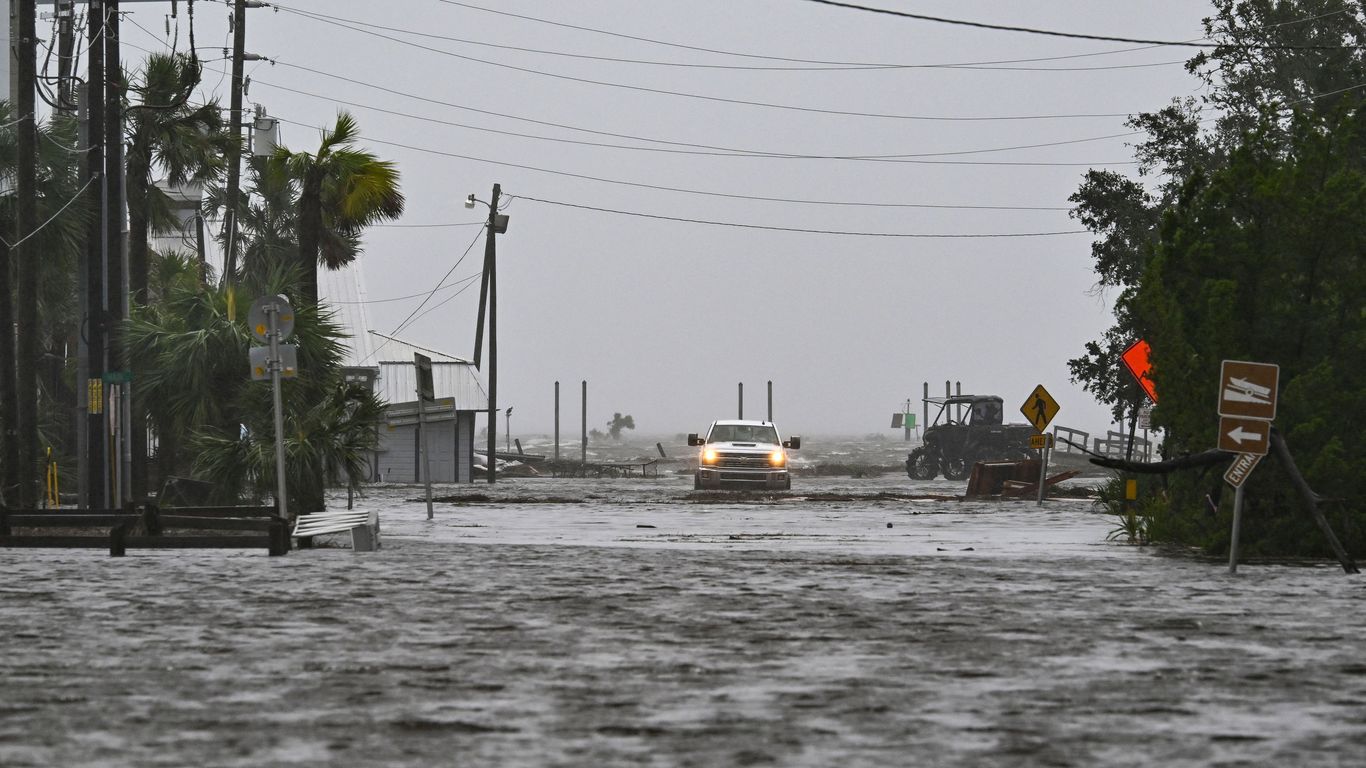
(742,433)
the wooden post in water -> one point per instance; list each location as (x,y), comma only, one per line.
(557,421)
(583,444)
(925,408)
(741,408)
(770,400)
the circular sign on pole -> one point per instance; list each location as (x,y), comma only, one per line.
(258,318)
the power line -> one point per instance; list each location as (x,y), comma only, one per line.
(409,296)
(408,320)
(663,188)
(849,233)
(704,150)
(809,65)
(718,99)
(1081,36)
(51,218)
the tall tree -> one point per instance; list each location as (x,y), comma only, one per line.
(169,138)
(195,355)
(342,190)
(180,142)
(1271,56)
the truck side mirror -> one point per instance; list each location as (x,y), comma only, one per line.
(793,442)
(693,439)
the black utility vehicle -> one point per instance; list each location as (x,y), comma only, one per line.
(967,429)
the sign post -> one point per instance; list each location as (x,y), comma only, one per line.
(425,391)
(272,320)
(1040,408)
(1247,405)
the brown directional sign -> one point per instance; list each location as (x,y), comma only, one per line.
(1239,435)
(1248,389)
(1240,468)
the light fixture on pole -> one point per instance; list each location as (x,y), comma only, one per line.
(507,416)
(488,306)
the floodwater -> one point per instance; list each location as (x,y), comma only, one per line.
(631,622)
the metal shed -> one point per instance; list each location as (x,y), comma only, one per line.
(450,420)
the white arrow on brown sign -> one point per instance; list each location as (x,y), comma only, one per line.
(1239,435)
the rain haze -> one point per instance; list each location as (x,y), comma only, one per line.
(700,194)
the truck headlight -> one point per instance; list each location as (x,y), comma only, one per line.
(777,458)
(709,456)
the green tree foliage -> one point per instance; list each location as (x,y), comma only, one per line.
(168,138)
(1242,238)
(1265,63)
(342,190)
(1262,260)
(200,396)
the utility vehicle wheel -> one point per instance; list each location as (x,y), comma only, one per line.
(697,482)
(920,465)
(957,468)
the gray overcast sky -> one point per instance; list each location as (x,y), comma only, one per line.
(663,318)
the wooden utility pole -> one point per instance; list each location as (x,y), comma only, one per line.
(27,252)
(116,252)
(93,494)
(239,43)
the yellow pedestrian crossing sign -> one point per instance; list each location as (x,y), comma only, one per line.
(1040,408)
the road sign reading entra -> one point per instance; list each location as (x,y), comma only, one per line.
(1240,468)
(1240,435)
(1248,389)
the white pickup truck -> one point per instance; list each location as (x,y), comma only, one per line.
(743,454)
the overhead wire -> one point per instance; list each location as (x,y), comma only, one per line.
(411,315)
(810,66)
(1079,35)
(697,149)
(718,99)
(664,188)
(51,218)
(803,230)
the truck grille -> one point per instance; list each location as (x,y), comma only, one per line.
(727,460)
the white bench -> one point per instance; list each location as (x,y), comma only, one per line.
(362,523)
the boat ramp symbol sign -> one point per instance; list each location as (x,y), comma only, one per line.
(1040,408)
(1248,390)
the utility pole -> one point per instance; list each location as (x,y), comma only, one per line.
(27,253)
(93,494)
(66,48)
(492,258)
(116,251)
(239,43)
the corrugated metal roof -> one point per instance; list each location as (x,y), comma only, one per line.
(398,383)
(451,376)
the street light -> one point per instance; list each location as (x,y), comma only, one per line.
(488,304)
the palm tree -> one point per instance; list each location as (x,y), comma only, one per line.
(166,134)
(184,143)
(267,220)
(342,190)
(199,395)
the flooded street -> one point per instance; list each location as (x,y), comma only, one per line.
(857,622)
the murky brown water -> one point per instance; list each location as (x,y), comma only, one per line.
(519,633)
